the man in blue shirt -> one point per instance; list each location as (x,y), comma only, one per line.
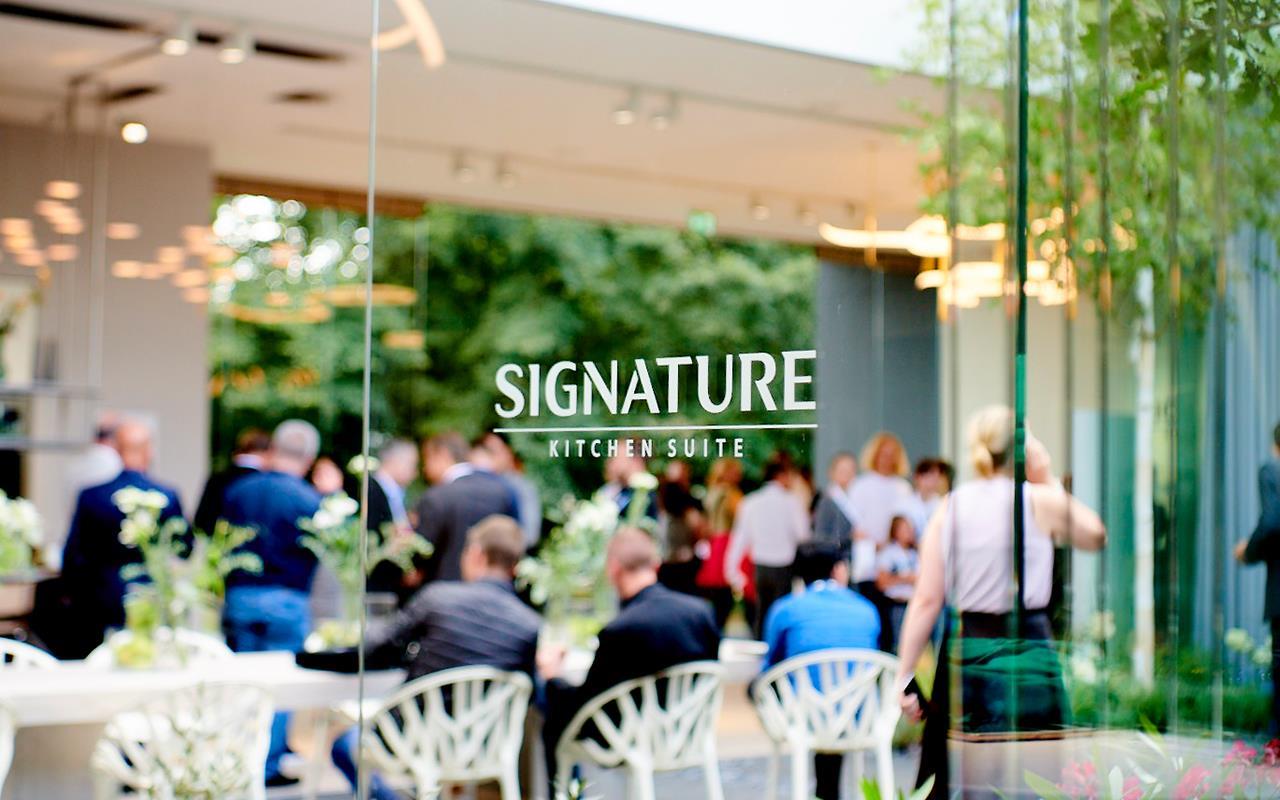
(827,615)
(93,555)
(269,610)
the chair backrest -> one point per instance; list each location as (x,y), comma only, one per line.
(207,741)
(456,725)
(7,730)
(18,655)
(666,719)
(839,699)
(192,646)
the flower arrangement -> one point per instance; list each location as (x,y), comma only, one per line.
(181,576)
(570,565)
(1243,772)
(21,534)
(334,534)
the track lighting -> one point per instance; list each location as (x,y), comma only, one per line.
(134,132)
(236,47)
(663,117)
(759,211)
(462,169)
(178,41)
(626,113)
(505,176)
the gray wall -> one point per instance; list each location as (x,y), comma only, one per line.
(877,362)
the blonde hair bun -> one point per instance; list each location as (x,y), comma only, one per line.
(990,438)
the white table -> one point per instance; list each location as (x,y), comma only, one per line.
(741,658)
(60,713)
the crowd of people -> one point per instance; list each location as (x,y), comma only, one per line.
(866,561)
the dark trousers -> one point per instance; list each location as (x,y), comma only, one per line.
(826,768)
(771,584)
(1275,675)
(884,608)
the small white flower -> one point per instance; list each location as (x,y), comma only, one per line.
(130,533)
(154,500)
(643,480)
(1239,640)
(1262,657)
(324,519)
(1084,669)
(127,499)
(340,506)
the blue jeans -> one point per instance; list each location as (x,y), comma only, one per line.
(260,618)
(345,748)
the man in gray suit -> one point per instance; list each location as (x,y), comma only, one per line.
(1264,546)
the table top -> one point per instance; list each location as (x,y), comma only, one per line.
(75,694)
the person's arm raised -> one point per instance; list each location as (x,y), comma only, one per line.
(1068,521)
(922,611)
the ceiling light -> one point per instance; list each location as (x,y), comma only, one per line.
(505,176)
(462,169)
(126,269)
(663,117)
(29,258)
(196,295)
(62,190)
(189,278)
(15,226)
(236,47)
(806,216)
(134,132)
(69,227)
(625,114)
(418,27)
(122,230)
(759,211)
(178,41)
(62,252)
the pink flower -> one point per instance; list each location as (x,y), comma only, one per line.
(1235,780)
(1080,781)
(1132,789)
(1271,753)
(1240,753)
(1194,784)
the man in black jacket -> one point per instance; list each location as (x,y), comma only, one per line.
(1264,546)
(387,515)
(459,497)
(656,629)
(251,449)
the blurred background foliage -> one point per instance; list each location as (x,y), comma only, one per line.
(491,288)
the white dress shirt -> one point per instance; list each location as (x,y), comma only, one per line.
(877,499)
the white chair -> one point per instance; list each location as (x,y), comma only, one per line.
(192,646)
(8,728)
(18,655)
(455,726)
(209,740)
(653,724)
(830,701)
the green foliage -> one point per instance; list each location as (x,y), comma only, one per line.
(871,790)
(1157,108)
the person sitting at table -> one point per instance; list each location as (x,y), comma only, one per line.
(478,621)
(827,615)
(270,609)
(655,630)
(93,554)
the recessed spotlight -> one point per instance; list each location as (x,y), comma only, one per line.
(759,211)
(122,230)
(626,113)
(62,252)
(236,47)
(505,176)
(134,132)
(462,169)
(663,117)
(806,215)
(178,41)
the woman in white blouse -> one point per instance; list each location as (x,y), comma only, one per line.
(967,567)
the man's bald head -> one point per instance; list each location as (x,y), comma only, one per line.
(631,562)
(133,443)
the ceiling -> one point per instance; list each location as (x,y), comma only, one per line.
(528,87)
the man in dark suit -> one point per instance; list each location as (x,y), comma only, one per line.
(656,629)
(93,555)
(270,609)
(397,466)
(459,497)
(478,621)
(1264,546)
(251,450)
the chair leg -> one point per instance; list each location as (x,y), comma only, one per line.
(884,768)
(715,791)
(641,778)
(856,771)
(771,790)
(800,757)
(509,781)
(564,774)
(319,748)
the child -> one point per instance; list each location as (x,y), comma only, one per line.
(897,566)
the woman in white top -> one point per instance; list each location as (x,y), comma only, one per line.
(877,495)
(967,566)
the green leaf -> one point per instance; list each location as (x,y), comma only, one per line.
(1042,787)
